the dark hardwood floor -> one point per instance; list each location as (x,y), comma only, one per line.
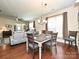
(19,52)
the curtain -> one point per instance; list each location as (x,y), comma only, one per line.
(46,24)
(65,25)
(33,24)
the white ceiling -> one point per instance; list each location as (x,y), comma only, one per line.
(77,0)
(30,9)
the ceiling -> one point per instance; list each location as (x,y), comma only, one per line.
(31,9)
(77,0)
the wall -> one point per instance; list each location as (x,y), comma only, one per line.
(4,20)
(39,27)
(72,18)
(7,20)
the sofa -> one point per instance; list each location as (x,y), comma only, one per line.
(18,37)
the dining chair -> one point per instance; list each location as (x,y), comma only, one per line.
(71,37)
(52,42)
(44,31)
(49,32)
(31,44)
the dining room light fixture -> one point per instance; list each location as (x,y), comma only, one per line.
(17,20)
(42,19)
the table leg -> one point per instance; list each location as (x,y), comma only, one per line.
(40,50)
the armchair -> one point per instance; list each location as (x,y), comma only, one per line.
(71,37)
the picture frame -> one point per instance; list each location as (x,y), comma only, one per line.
(8,26)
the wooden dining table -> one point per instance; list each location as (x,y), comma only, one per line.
(40,39)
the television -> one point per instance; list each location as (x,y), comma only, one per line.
(6,34)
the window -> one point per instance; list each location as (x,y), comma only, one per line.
(55,24)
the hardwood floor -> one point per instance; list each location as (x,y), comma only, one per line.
(19,52)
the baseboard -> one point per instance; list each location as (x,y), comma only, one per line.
(60,40)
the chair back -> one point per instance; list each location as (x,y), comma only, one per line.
(73,34)
(44,31)
(47,32)
(50,32)
(30,38)
(54,37)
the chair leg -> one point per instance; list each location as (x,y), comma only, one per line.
(33,54)
(56,49)
(51,50)
(42,50)
(69,42)
(75,44)
(65,41)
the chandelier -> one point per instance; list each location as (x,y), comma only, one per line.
(42,19)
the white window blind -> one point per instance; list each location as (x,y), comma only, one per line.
(55,24)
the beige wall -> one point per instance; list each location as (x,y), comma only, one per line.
(7,20)
(72,18)
(39,27)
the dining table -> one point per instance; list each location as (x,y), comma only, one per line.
(40,39)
